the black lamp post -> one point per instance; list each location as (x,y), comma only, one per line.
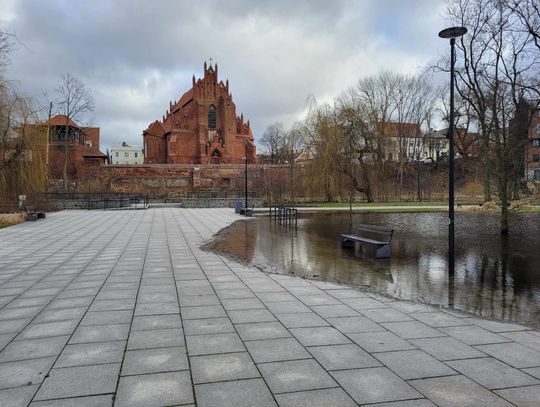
(451,33)
(245,176)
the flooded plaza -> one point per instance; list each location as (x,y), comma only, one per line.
(496,277)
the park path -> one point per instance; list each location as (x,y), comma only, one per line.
(123,308)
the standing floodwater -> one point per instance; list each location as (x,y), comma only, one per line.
(496,277)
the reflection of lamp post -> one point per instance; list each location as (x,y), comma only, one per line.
(451,33)
(245,176)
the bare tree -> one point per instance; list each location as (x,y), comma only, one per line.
(274,141)
(74,101)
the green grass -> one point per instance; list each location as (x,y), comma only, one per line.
(4,225)
(369,204)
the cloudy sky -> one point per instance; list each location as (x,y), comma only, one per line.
(137,55)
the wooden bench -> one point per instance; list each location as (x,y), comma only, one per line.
(378,237)
(33,216)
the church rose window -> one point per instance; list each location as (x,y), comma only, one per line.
(211,117)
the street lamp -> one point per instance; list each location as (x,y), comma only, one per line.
(245,176)
(451,33)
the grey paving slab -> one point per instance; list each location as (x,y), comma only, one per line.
(240,393)
(414,364)
(319,336)
(214,343)
(33,348)
(522,396)
(321,299)
(25,372)
(205,311)
(149,322)
(250,316)
(222,367)
(276,296)
(159,389)
(385,315)
(208,326)
(514,354)
(346,293)
(447,348)
(242,303)
(355,325)
(339,357)
(79,381)
(412,329)
(107,317)
(457,391)
(406,403)
(18,396)
(297,375)
(473,335)
(439,319)
(273,350)
(144,361)
(492,373)
(91,354)
(302,320)
(496,326)
(89,401)
(156,338)
(316,398)
(525,338)
(533,371)
(374,385)
(380,341)
(335,310)
(100,333)
(262,330)
(198,300)
(48,329)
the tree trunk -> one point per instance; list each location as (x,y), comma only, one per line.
(66,147)
(486,175)
(503,194)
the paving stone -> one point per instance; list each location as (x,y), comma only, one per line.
(24,373)
(208,326)
(241,393)
(79,381)
(534,371)
(411,307)
(374,385)
(91,354)
(385,315)
(447,348)
(48,329)
(295,375)
(525,338)
(206,311)
(59,303)
(214,343)
(316,398)
(406,403)
(107,317)
(90,401)
(33,348)
(346,293)
(250,316)
(222,367)
(156,338)
(302,320)
(413,364)
(321,299)
(198,300)
(276,296)
(513,353)
(457,391)
(439,319)
(521,396)
(13,325)
(473,335)
(262,330)
(412,329)
(145,361)
(287,307)
(18,396)
(19,312)
(157,308)
(355,325)
(492,373)
(319,336)
(242,303)
(338,357)
(159,389)
(496,326)
(380,341)
(148,322)
(332,311)
(273,350)
(363,303)
(100,333)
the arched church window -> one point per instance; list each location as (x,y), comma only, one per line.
(211,117)
(216,154)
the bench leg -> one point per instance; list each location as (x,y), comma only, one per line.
(382,252)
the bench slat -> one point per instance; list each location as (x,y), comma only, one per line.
(363,239)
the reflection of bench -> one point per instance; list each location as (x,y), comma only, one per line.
(375,236)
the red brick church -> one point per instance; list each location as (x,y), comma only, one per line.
(201,128)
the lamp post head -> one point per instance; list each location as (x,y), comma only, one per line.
(452,32)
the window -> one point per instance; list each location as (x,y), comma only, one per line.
(211,117)
(538,128)
(116,154)
(126,154)
(535,142)
(536,175)
(136,155)
(536,158)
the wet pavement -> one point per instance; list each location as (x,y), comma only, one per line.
(123,307)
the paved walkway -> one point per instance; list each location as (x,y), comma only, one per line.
(122,307)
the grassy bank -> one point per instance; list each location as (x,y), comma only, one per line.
(10,219)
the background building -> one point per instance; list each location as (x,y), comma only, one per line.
(126,154)
(201,128)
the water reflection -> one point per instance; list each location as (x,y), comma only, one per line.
(495,277)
